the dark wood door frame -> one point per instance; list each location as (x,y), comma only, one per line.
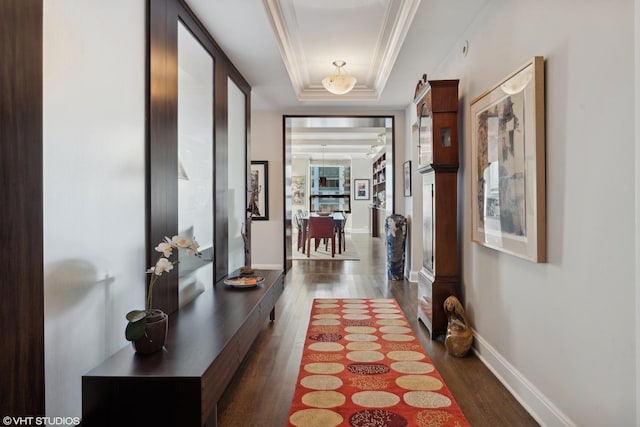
(21,197)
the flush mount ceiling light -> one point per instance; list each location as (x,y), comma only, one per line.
(339,83)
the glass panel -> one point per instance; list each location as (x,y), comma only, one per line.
(237,161)
(195,163)
(445,137)
(425,130)
(427,222)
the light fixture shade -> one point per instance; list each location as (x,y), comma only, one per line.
(339,84)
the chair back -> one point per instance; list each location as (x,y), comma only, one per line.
(321,226)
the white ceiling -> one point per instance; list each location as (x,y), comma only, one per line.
(284,48)
(312,34)
(339,137)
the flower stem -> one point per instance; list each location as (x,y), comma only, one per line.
(154,277)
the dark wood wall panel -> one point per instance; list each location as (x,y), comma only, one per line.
(21,227)
(162,153)
(247,178)
(221,112)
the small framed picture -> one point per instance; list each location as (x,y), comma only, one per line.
(362,189)
(259,190)
(407,178)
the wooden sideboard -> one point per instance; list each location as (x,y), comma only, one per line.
(181,385)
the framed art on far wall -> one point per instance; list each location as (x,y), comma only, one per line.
(260,184)
(362,189)
(298,187)
(508,164)
(407,178)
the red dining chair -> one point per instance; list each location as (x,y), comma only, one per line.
(321,227)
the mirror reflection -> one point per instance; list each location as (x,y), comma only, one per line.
(425,136)
(195,163)
(237,175)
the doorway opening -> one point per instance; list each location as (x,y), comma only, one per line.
(337,164)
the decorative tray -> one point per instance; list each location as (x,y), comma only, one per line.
(243,281)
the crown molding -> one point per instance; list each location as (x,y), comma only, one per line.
(390,36)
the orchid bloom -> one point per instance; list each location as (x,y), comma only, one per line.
(162,265)
(180,242)
(165,248)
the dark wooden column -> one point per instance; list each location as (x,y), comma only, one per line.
(21,229)
(221,226)
(162,137)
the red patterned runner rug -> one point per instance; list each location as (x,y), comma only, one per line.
(363,366)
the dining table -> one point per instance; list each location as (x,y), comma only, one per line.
(338,220)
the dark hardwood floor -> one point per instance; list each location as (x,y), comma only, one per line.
(261,391)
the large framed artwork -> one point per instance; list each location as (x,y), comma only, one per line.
(362,189)
(508,164)
(259,199)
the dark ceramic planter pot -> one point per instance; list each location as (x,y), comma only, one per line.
(155,333)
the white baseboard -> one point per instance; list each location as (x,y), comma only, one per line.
(413,276)
(359,231)
(532,399)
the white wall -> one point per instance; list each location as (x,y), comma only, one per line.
(267,250)
(94,115)
(559,333)
(360,218)
(637,194)
(413,204)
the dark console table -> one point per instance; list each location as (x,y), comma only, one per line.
(181,385)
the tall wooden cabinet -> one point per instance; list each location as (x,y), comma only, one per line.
(439,277)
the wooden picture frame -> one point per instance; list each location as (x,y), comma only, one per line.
(407,178)
(508,205)
(260,179)
(362,189)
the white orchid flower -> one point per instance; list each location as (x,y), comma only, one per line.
(165,248)
(162,265)
(180,242)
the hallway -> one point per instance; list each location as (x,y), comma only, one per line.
(261,392)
